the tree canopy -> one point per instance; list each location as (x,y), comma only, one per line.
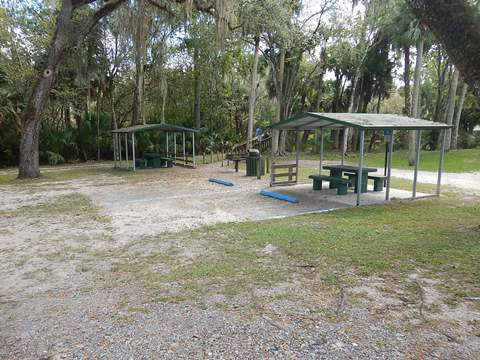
(72,70)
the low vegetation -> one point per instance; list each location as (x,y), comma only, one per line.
(466,160)
(435,237)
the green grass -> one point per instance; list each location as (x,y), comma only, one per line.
(467,160)
(436,237)
(455,161)
(71,204)
(61,175)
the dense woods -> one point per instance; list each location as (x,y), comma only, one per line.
(72,70)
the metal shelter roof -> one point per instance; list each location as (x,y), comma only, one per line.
(312,121)
(162,127)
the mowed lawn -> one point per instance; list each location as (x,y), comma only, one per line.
(457,161)
(434,237)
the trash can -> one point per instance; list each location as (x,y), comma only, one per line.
(255,166)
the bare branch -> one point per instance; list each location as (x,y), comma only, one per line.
(105,10)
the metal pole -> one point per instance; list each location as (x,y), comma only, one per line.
(440,164)
(389,167)
(360,166)
(297,157)
(133,150)
(272,167)
(166,152)
(175,146)
(120,146)
(114,150)
(417,161)
(342,146)
(184,155)
(193,149)
(126,148)
(321,151)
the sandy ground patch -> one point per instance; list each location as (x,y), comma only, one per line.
(63,295)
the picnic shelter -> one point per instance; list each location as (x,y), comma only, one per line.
(126,155)
(388,123)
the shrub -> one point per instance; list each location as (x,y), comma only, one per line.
(53,158)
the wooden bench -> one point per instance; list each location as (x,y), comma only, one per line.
(340,184)
(378,181)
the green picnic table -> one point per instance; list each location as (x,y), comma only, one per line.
(338,170)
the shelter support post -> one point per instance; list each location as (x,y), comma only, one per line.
(272,166)
(174,145)
(114,142)
(184,155)
(360,166)
(418,147)
(166,143)
(120,149)
(440,164)
(321,151)
(389,165)
(193,150)
(126,150)
(133,150)
(297,156)
(344,138)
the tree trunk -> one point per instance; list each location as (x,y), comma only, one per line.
(99,94)
(112,107)
(164,97)
(32,115)
(323,56)
(451,107)
(348,133)
(253,93)
(458,115)
(457,26)
(196,71)
(279,91)
(406,81)
(416,106)
(139,43)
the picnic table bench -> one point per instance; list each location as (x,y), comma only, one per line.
(378,181)
(340,184)
(351,171)
(236,159)
(155,160)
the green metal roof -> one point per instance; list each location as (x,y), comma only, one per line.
(312,121)
(161,127)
